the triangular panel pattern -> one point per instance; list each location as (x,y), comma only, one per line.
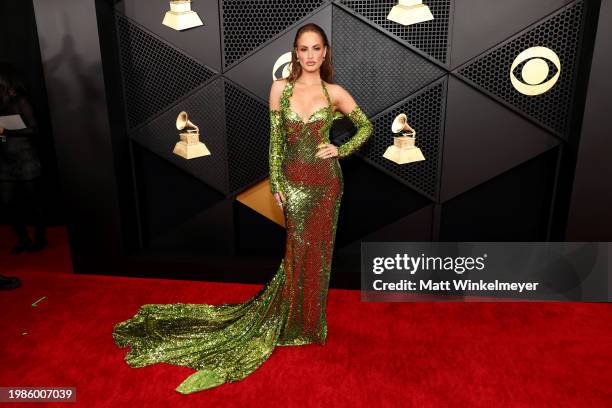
(377,70)
(514,206)
(476,147)
(497,21)
(253,72)
(154,73)
(247,24)
(248,137)
(205,110)
(425,111)
(371,201)
(167,196)
(414,227)
(201,43)
(210,231)
(431,37)
(561,32)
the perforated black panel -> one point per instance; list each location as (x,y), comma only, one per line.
(425,111)
(431,37)
(154,73)
(388,68)
(375,69)
(561,32)
(205,110)
(248,135)
(247,24)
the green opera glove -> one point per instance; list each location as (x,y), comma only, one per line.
(364,131)
(276,150)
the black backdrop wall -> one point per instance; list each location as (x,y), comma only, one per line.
(500,165)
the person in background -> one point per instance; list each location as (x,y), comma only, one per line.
(20,168)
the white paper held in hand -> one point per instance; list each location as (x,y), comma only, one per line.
(12,122)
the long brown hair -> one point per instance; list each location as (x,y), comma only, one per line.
(326,70)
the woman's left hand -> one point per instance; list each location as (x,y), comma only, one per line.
(327,151)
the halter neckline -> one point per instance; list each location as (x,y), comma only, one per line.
(290,85)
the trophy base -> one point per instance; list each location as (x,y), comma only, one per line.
(408,15)
(191,151)
(403,156)
(182,21)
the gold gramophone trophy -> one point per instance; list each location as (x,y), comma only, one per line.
(403,149)
(190,146)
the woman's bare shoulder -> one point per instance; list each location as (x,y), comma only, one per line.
(337,90)
(276,91)
(331,86)
(279,84)
(339,95)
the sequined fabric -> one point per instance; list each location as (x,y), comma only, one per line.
(227,342)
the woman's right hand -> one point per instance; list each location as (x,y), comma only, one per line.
(280,199)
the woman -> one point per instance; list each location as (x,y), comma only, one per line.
(228,342)
(20,168)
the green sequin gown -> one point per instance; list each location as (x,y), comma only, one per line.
(227,342)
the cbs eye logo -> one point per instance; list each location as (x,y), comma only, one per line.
(282,66)
(535,71)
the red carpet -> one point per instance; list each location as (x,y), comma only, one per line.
(378,354)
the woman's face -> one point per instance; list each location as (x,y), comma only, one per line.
(310,51)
